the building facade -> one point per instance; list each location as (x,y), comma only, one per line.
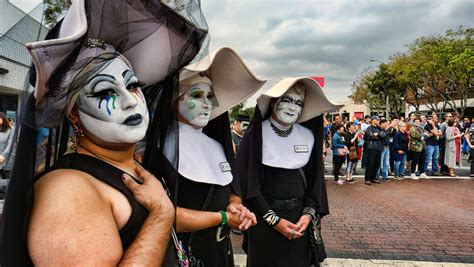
(16,29)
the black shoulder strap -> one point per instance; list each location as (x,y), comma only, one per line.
(204,207)
(304,177)
(97,168)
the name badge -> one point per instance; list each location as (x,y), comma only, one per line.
(301,149)
(225,166)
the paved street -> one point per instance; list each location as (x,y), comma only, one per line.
(427,220)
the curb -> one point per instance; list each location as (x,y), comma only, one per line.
(240,259)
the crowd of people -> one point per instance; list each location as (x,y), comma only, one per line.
(6,150)
(419,146)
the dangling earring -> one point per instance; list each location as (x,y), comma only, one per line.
(76,132)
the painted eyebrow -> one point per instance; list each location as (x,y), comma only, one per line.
(288,98)
(101,78)
(301,102)
(291,99)
(127,75)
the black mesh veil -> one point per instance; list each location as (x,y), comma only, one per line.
(155,38)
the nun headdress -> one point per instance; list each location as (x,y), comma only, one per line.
(150,37)
(232,82)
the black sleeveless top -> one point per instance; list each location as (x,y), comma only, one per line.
(112,176)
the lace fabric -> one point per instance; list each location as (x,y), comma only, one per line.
(156,39)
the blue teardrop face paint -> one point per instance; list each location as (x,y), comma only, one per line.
(107,99)
(107,105)
(112,107)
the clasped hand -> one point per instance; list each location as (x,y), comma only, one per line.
(291,230)
(240,217)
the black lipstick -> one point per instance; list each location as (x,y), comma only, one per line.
(133,120)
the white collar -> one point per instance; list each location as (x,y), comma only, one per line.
(201,158)
(291,152)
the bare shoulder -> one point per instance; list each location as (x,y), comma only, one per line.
(59,181)
(70,222)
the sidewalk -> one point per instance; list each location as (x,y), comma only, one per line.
(240,262)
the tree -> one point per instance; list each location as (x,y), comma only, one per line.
(239,109)
(435,69)
(54,10)
(384,83)
(373,88)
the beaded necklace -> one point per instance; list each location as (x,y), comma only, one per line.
(281,133)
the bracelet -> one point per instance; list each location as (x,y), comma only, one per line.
(271,218)
(224,218)
(310,211)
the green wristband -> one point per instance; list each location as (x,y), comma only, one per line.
(224,218)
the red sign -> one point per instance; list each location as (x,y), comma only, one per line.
(320,80)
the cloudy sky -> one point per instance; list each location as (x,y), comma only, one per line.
(334,39)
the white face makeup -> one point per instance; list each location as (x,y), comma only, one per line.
(288,107)
(196,104)
(112,106)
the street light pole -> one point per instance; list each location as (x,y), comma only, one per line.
(387,105)
(387,108)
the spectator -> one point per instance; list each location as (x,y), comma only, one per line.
(432,144)
(364,127)
(335,124)
(465,147)
(352,142)
(442,143)
(391,133)
(457,142)
(470,141)
(423,122)
(450,150)
(374,138)
(6,138)
(411,118)
(400,146)
(338,143)
(385,154)
(326,137)
(416,149)
(240,125)
(466,124)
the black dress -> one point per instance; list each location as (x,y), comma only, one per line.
(267,246)
(112,176)
(205,244)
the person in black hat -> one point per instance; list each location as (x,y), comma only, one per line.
(238,130)
(374,137)
(364,127)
